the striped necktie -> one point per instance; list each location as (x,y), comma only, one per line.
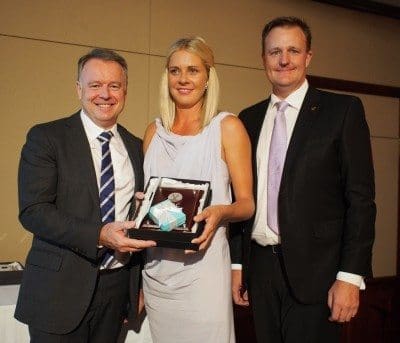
(107,189)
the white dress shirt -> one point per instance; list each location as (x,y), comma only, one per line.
(261,233)
(124,178)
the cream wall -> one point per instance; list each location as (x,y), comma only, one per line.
(40,42)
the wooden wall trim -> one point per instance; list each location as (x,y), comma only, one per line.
(353,86)
(375,7)
(378,318)
(387,280)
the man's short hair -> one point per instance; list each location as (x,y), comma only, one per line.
(286,22)
(105,55)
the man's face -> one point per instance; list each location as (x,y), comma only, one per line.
(286,59)
(102,90)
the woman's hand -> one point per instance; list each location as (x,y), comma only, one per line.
(212,215)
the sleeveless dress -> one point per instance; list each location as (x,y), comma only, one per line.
(188,297)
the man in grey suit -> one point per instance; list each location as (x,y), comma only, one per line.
(76,191)
(303,255)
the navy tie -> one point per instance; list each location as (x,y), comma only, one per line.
(107,189)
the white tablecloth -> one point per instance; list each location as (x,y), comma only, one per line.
(12,331)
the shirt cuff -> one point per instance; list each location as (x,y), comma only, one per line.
(236,266)
(354,279)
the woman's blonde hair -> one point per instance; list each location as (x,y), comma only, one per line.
(197,46)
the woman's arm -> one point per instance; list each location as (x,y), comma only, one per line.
(236,152)
(237,155)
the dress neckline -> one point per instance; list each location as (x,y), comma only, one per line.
(173,135)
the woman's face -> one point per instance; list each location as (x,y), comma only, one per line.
(187,79)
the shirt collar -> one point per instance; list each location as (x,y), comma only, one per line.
(92,130)
(294,99)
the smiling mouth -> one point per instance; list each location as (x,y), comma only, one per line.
(184,90)
(285,70)
(104,105)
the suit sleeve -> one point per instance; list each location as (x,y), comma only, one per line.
(358,178)
(236,231)
(39,212)
(235,242)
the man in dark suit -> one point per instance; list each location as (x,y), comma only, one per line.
(75,199)
(303,255)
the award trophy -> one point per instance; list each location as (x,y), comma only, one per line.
(166,213)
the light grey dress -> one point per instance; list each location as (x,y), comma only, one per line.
(188,297)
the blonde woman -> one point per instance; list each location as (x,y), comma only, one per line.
(188,295)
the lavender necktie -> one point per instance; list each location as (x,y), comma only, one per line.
(277,153)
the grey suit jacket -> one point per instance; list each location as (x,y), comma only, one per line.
(59,204)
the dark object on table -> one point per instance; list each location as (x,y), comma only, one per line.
(10,273)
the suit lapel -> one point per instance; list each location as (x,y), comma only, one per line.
(307,115)
(79,145)
(254,125)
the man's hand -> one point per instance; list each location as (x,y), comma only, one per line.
(343,301)
(239,296)
(139,197)
(113,235)
(141,301)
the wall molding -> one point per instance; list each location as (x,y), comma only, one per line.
(375,7)
(354,86)
(378,318)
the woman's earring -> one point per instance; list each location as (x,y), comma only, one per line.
(206,86)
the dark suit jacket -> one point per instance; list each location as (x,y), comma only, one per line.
(326,200)
(59,204)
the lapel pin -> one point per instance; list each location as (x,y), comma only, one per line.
(314,108)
